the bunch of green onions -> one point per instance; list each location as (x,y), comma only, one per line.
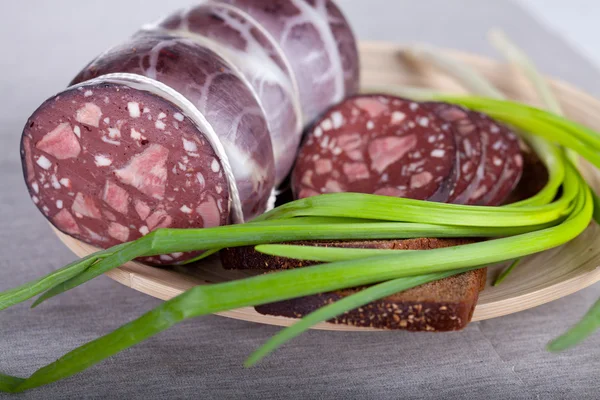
(557,214)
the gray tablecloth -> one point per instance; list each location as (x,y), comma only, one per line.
(45,42)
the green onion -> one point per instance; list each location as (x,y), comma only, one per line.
(444,259)
(164,241)
(462,72)
(506,272)
(268,288)
(521,60)
(31,289)
(584,328)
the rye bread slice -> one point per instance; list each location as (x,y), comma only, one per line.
(443,305)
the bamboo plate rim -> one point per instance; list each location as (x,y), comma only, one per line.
(165,284)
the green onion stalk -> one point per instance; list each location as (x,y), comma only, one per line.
(556,215)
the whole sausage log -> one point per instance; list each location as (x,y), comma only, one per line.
(183,129)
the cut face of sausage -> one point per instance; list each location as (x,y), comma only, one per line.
(319,44)
(107,164)
(218,92)
(470,163)
(376,144)
(503,162)
(237,38)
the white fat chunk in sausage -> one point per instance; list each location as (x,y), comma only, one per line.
(144,230)
(424,122)
(519,160)
(134,109)
(89,114)
(178,116)
(88,93)
(102,161)
(326,125)
(189,145)
(44,162)
(397,117)
(147,171)
(160,125)
(59,204)
(114,133)
(215,166)
(110,141)
(201,180)
(135,135)
(60,143)
(337,119)
(185,209)
(438,153)
(66,182)
(77,131)
(35,187)
(54,181)
(388,150)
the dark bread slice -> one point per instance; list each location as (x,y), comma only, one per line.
(443,305)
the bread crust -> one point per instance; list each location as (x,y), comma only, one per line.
(443,305)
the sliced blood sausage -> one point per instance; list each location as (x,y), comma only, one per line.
(108,163)
(223,97)
(240,40)
(376,144)
(318,43)
(503,161)
(470,162)
(503,142)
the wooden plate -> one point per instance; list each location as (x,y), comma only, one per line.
(539,279)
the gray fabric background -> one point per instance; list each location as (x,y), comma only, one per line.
(44,43)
